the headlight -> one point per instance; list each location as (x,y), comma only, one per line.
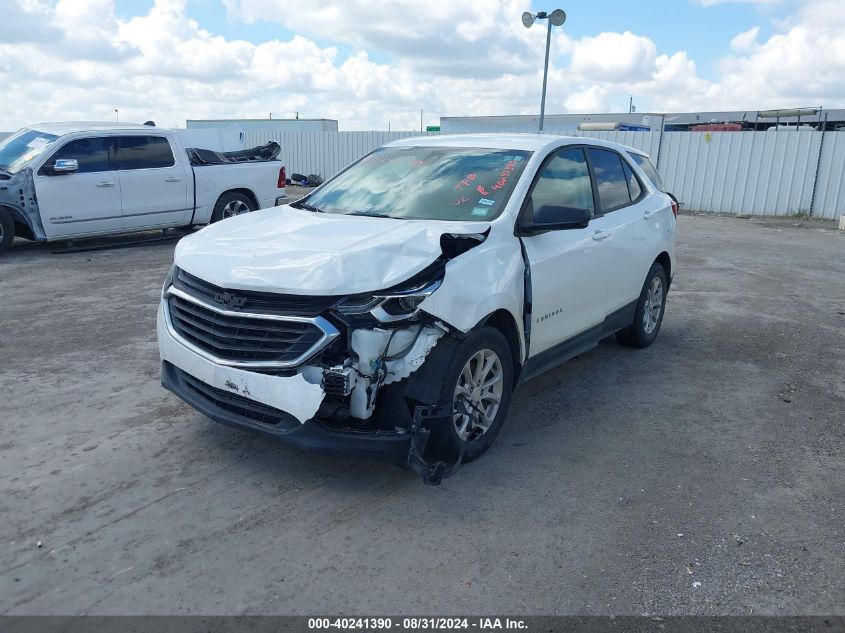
(387,307)
(168,280)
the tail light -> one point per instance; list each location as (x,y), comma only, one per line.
(283,178)
(675,205)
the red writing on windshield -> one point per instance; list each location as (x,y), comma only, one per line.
(459,201)
(466,182)
(505,175)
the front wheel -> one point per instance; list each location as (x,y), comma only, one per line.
(649,313)
(7,230)
(232,204)
(480,375)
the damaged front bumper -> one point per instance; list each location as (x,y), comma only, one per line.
(285,407)
(313,435)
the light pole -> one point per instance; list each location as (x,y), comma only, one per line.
(555,18)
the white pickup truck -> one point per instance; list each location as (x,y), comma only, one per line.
(60,181)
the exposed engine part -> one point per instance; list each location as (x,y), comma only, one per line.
(338,381)
(387,356)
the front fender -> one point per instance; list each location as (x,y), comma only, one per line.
(486,278)
(18,194)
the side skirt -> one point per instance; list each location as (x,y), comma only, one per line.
(578,344)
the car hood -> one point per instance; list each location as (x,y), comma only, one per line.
(293,251)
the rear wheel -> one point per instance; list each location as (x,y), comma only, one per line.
(649,313)
(7,230)
(230,205)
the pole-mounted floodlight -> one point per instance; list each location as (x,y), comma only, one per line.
(555,18)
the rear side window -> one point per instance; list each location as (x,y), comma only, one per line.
(611,183)
(92,154)
(634,187)
(144,152)
(565,182)
(644,163)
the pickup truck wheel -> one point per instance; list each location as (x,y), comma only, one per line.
(230,205)
(649,314)
(480,374)
(7,230)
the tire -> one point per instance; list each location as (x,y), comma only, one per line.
(7,230)
(232,204)
(647,320)
(447,438)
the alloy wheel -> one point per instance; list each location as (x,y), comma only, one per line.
(235,207)
(479,386)
(653,305)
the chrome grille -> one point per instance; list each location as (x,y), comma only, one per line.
(243,339)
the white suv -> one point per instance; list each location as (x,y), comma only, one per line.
(391,312)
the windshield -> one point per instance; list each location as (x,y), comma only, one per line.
(426,183)
(20,149)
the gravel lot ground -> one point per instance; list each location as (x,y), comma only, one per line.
(702,475)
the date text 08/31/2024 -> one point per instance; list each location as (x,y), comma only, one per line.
(417,624)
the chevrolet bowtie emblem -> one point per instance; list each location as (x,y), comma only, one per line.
(229,300)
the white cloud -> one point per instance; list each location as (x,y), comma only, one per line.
(614,57)
(77,59)
(745,40)
(802,65)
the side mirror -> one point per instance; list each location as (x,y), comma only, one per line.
(65,166)
(552,217)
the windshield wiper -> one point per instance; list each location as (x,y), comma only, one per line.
(306,206)
(370,214)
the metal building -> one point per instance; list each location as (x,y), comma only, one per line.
(269,125)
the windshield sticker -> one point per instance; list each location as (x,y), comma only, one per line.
(487,202)
(459,201)
(480,211)
(38,142)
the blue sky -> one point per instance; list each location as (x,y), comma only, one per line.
(705,32)
(371,64)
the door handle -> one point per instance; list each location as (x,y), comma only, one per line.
(600,235)
(649,214)
(105,184)
(173,179)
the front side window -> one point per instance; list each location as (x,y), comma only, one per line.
(424,183)
(19,150)
(611,183)
(144,152)
(564,181)
(646,165)
(92,154)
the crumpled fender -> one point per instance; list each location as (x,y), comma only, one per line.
(18,194)
(486,278)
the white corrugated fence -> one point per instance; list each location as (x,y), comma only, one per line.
(758,173)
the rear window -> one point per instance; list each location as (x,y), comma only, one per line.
(634,187)
(610,177)
(144,152)
(645,164)
(426,183)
